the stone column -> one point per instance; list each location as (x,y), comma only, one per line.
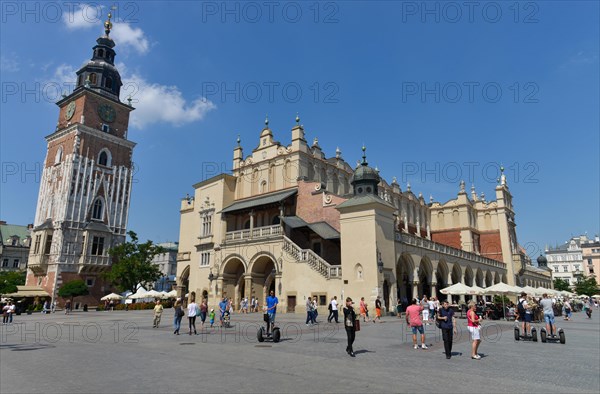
(415,289)
(251,222)
(434,289)
(248,286)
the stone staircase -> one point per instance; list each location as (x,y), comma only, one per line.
(309,257)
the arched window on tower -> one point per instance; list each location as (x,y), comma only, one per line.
(92,79)
(100,52)
(58,157)
(104,158)
(108,83)
(97,209)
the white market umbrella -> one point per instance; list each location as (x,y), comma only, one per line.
(596,296)
(164,295)
(172,294)
(153,294)
(531,291)
(111,297)
(476,290)
(138,294)
(542,290)
(566,293)
(503,289)
(457,289)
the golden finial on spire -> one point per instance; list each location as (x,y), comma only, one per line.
(108,23)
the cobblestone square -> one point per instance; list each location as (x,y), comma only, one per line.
(101,352)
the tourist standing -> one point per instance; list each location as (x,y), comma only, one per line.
(193,311)
(334,310)
(253,305)
(399,308)
(211,317)
(11,311)
(474,324)
(179,313)
(158,310)
(349,322)
(5,313)
(568,310)
(67,307)
(46,307)
(425,305)
(315,309)
(53,306)
(448,326)
(413,320)
(377,310)
(432,308)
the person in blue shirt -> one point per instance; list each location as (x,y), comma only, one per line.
(448,325)
(272,302)
(223,306)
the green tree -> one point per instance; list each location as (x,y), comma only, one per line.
(587,285)
(561,284)
(72,289)
(9,280)
(132,264)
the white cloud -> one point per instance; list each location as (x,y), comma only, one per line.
(128,36)
(87,16)
(9,64)
(157,103)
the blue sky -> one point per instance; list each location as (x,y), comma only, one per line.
(437,95)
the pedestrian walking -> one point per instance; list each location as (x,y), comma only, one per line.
(193,311)
(179,313)
(431,306)
(377,310)
(53,306)
(364,312)
(223,307)
(67,307)
(309,311)
(329,308)
(46,307)
(447,325)
(413,320)
(253,305)
(334,310)
(203,312)
(315,309)
(474,326)
(158,310)
(349,325)
(399,308)
(5,313)
(11,311)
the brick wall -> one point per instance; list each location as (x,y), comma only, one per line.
(490,245)
(310,206)
(448,237)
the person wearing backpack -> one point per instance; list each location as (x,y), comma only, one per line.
(523,315)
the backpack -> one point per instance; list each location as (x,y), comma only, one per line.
(521,308)
(329,307)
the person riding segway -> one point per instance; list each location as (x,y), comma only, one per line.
(549,333)
(526,315)
(271,332)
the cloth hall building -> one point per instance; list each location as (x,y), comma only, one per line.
(292,220)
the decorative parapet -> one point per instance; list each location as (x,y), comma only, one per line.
(410,239)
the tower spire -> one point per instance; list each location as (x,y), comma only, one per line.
(364,156)
(108,24)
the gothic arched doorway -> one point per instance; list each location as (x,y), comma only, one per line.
(263,278)
(233,274)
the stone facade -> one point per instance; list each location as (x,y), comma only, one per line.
(291,220)
(577,257)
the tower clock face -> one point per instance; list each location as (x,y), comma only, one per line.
(107,113)
(70,110)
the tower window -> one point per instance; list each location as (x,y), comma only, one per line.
(108,83)
(48,246)
(97,210)
(58,156)
(105,128)
(92,79)
(97,246)
(103,159)
(100,52)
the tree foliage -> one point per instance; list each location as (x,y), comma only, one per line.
(587,285)
(72,289)
(9,280)
(132,264)
(561,284)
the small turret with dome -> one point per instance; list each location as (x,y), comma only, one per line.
(365,178)
(542,261)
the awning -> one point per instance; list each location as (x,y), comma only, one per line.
(265,199)
(323,229)
(28,291)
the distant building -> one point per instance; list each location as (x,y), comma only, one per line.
(566,261)
(590,252)
(167,263)
(15,241)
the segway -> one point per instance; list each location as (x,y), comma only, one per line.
(264,334)
(552,337)
(524,337)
